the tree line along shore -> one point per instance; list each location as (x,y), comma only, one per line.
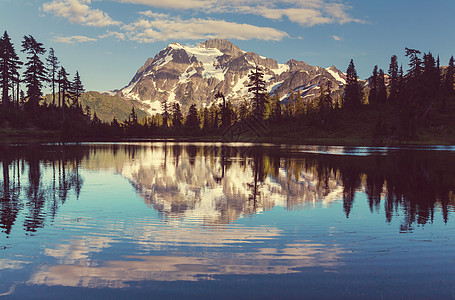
(393,106)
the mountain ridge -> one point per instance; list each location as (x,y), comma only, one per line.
(193,75)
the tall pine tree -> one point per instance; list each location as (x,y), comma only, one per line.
(373,94)
(257,87)
(165,114)
(9,66)
(382,91)
(64,86)
(393,73)
(353,91)
(35,73)
(177,117)
(430,76)
(77,88)
(53,68)
(449,80)
(192,120)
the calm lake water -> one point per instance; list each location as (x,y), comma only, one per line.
(238,221)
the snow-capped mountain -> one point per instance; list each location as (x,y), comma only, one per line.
(195,74)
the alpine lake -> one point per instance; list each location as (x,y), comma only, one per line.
(173,220)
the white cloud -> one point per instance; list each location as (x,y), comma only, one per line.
(157,26)
(151,14)
(147,31)
(79,11)
(175,4)
(337,38)
(306,13)
(73,39)
(118,35)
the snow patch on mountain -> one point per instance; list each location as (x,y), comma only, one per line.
(155,107)
(281,69)
(162,62)
(336,75)
(271,89)
(208,57)
(126,91)
(184,78)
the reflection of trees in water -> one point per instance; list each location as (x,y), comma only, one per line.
(221,183)
(412,182)
(52,171)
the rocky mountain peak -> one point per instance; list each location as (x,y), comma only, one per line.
(224,46)
(193,75)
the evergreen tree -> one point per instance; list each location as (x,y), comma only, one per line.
(115,126)
(257,87)
(133,117)
(165,114)
(192,120)
(382,91)
(373,94)
(206,117)
(413,78)
(430,76)
(9,66)
(35,73)
(400,83)
(415,63)
(393,73)
(324,101)
(226,113)
(77,88)
(177,117)
(214,116)
(276,107)
(299,104)
(244,110)
(353,91)
(64,86)
(53,68)
(449,77)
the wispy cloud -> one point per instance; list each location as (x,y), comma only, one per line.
(160,29)
(79,11)
(337,38)
(116,34)
(174,4)
(73,39)
(306,13)
(151,14)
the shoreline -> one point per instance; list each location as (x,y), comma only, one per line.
(31,136)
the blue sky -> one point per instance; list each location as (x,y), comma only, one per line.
(108,40)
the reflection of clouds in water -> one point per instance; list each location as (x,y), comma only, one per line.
(77,267)
(154,237)
(11,264)
(78,250)
(117,273)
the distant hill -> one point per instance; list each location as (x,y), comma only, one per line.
(106,106)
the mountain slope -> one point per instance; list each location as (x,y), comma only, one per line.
(106,106)
(195,74)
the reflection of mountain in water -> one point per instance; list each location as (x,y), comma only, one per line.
(219,184)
